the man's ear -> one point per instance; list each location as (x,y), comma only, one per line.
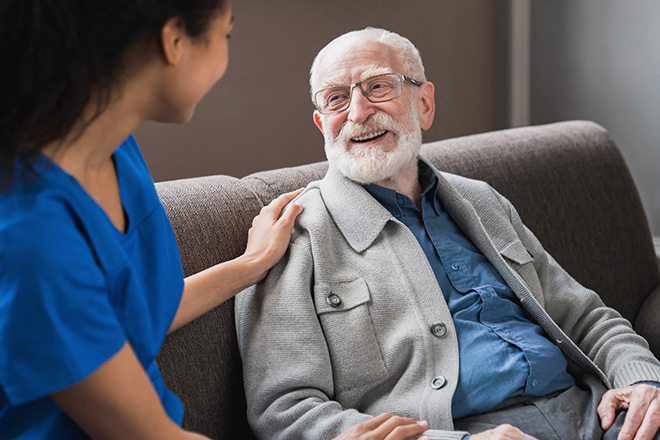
(426,105)
(317,120)
(172,40)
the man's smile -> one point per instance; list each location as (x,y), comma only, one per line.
(369,136)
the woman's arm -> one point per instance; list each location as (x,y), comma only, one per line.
(268,240)
(119,401)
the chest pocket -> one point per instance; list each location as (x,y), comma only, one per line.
(520,260)
(343,310)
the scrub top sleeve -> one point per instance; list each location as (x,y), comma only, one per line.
(56,320)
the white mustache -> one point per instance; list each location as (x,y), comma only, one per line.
(376,122)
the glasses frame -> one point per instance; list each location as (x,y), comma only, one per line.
(402,78)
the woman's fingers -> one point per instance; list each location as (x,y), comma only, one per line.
(279,203)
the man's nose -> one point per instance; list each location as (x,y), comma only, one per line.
(360,108)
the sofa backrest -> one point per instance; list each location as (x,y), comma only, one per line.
(572,188)
(568,181)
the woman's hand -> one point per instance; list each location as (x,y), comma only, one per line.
(268,238)
(385,427)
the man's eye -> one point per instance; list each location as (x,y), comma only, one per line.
(335,97)
(379,89)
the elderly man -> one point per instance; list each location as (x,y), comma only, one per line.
(421,294)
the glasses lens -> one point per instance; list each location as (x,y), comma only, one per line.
(332,99)
(378,88)
(382,87)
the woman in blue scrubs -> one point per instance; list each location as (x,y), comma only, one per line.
(90,274)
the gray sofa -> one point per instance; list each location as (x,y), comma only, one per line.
(568,181)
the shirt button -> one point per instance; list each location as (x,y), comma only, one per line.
(333,300)
(488,294)
(439,329)
(534,383)
(438,382)
(454,266)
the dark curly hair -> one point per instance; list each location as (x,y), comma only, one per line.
(56,53)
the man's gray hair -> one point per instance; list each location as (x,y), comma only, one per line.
(407,52)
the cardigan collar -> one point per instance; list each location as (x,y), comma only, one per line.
(359,216)
(362,226)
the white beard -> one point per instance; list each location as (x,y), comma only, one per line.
(372,164)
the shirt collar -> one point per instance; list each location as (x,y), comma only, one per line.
(428,180)
(385,196)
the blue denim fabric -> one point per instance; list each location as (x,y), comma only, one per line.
(503,352)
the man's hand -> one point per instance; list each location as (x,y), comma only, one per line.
(502,432)
(385,427)
(643,405)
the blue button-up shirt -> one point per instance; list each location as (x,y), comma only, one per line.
(503,352)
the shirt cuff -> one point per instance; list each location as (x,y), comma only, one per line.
(655,384)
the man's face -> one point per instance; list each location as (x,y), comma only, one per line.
(368,142)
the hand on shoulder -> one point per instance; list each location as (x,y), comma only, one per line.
(268,238)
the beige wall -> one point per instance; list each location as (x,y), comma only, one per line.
(259,116)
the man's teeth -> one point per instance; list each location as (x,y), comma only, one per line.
(366,137)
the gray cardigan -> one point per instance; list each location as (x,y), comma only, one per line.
(339,331)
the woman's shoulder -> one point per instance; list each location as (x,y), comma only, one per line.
(44,231)
(41,226)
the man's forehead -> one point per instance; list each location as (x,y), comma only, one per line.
(344,77)
(351,61)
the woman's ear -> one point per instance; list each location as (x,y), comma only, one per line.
(172,40)
(426,105)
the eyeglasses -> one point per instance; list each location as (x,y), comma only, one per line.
(378,88)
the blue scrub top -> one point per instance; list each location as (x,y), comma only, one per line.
(74,289)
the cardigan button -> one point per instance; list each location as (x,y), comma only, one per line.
(333,300)
(439,329)
(438,382)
